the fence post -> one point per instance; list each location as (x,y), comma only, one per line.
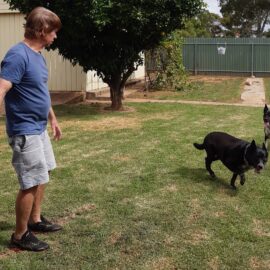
(252,59)
(195,56)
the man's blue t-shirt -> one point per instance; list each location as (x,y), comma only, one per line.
(28,102)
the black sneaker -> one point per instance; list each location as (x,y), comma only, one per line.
(28,242)
(44,226)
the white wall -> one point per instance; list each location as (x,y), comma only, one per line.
(95,84)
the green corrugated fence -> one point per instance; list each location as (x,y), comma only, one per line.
(227,55)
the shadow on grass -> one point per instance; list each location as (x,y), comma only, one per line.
(75,111)
(199,175)
(81,110)
(4,226)
(5,242)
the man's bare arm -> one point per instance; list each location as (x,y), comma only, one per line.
(5,86)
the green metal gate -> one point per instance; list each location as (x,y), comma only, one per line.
(227,55)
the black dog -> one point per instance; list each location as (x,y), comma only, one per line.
(266,121)
(237,155)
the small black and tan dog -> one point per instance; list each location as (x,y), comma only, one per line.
(266,122)
(237,155)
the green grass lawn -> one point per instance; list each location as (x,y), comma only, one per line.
(132,193)
(204,88)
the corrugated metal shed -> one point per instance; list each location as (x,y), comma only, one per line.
(63,76)
(4,8)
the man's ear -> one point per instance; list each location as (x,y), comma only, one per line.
(41,34)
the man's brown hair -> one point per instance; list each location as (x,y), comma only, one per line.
(41,21)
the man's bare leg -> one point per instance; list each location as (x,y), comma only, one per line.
(36,210)
(23,207)
(36,221)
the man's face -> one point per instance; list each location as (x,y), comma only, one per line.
(49,38)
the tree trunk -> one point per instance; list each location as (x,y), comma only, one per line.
(117,85)
(116,97)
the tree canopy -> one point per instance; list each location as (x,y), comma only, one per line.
(205,24)
(246,18)
(108,35)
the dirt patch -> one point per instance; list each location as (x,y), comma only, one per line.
(208,79)
(150,94)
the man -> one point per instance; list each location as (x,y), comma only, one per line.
(23,85)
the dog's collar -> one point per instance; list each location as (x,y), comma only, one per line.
(245,160)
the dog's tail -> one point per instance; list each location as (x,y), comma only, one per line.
(199,146)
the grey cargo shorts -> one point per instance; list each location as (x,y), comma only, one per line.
(32,159)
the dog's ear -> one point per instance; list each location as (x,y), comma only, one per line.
(265,108)
(253,145)
(264,147)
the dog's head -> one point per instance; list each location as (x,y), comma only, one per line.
(256,156)
(266,116)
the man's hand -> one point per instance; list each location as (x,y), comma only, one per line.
(57,133)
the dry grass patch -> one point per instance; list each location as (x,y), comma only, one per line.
(219,214)
(161,116)
(162,263)
(203,121)
(75,212)
(149,203)
(237,117)
(169,240)
(114,123)
(258,264)
(213,264)
(114,238)
(170,188)
(121,158)
(197,237)
(94,153)
(196,211)
(8,253)
(109,123)
(3,131)
(261,229)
